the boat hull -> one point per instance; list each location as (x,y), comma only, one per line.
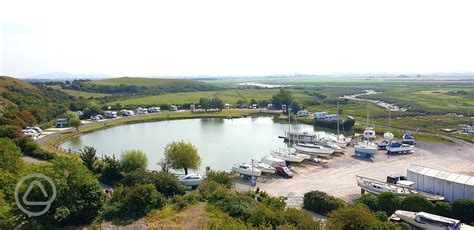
(255,172)
(195,182)
(287,158)
(311,150)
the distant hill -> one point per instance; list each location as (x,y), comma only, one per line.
(138,86)
(7,83)
(63,76)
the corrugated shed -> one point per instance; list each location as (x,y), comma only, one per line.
(459,186)
(439,182)
(452,186)
(428,180)
(469,189)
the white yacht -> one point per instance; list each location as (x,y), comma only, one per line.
(265,168)
(313,149)
(294,152)
(270,160)
(284,155)
(369,134)
(303,137)
(365,148)
(192,179)
(376,187)
(246,169)
(430,221)
(340,140)
(331,145)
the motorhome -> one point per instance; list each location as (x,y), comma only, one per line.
(154,110)
(302,113)
(320,115)
(174,108)
(62,122)
(110,114)
(142,111)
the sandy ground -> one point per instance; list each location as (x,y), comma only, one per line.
(339,178)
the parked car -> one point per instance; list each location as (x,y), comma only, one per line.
(35,128)
(97,117)
(284,171)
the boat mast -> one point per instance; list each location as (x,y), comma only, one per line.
(368,115)
(389,120)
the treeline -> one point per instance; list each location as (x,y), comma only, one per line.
(87,86)
(372,212)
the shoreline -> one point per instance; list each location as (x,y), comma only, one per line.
(52,141)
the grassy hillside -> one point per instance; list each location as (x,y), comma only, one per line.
(10,83)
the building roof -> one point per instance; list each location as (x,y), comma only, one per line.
(445,175)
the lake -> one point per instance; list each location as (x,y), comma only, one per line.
(220,142)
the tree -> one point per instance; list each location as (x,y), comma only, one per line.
(9,156)
(301,219)
(10,131)
(352,218)
(165,183)
(463,209)
(283,97)
(205,103)
(75,122)
(416,203)
(79,197)
(388,202)
(321,203)
(443,209)
(133,160)
(182,155)
(88,156)
(217,103)
(370,201)
(164,164)
(241,104)
(111,171)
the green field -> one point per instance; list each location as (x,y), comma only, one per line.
(85,94)
(148,82)
(228,96)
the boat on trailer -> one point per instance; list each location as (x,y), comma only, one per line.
(246,169)
(265,168)
(365,149)
(284,155)
(331,145)
(401,188)
(312,149)
(192,179)
(270,160)
(430,221)
(397,147)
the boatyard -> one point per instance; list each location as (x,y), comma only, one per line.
(339,179)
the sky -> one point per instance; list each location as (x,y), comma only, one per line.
(237,38)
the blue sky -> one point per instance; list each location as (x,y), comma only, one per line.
(185,37)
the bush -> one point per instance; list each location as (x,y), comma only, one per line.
(181,202)
(416,203)
(26,145)
(443,209)
(352,218)
(301,219)
(262,216)
(134,202)
(44,155)
(370,200)
(168,184)
(133,160)
(236,206)
(221,178)
(10,131)
(207,188)
(275,203)
(381,215)
(321,203)
(463,209)
(388,202)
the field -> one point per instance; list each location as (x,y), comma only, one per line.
(228,96)
(85,94)
(148,82)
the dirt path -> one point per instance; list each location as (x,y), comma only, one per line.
(339,179)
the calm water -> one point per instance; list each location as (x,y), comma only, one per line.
(221,142)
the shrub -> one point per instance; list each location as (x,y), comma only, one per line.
(44,155)
(133,160)
(416,203)
(321,203)
(352,218)
(381,215)
(443,209)
(168,184)
(236,206)
(134,202)
(262,216)
(181,202)
(301,219)
(10,131)
(371,201)
(221,178)
(26,145)
(463,209)
(207,188)
(388,202)
(275,203)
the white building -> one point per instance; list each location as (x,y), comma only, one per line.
(302,113)
(320,115)
(174,108)
(270,106)
(226,106)
(192,107)
(452,186)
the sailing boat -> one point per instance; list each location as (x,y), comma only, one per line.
(388,135)
(366,148)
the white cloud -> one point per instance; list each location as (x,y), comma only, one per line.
(236,37)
